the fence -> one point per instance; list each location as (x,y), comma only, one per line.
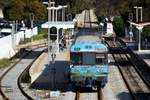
(7,43)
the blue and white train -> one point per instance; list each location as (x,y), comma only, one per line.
(89,59)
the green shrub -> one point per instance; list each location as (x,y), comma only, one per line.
(41,35)
(26,40)
(6,62)
(118,26)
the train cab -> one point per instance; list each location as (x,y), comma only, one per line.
(89,62)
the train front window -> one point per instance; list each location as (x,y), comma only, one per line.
(101,58)
(88,59)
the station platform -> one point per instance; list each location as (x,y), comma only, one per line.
(134,44)
(144,53)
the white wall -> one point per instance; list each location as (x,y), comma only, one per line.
(6,47)
(1,13)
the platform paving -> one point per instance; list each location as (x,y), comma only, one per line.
(48,81)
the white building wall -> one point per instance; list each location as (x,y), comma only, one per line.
(6,48)
(1,13)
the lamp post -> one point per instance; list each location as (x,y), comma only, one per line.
(140,29)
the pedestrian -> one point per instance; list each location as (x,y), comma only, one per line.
(146,42)
(131,35)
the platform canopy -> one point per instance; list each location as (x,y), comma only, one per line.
(140,25)
(59,24)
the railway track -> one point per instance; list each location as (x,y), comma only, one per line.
(141,66)
(10,81)
(89,95)
(137,87)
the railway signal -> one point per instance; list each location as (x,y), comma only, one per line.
(53,55)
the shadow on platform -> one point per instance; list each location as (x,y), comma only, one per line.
(145,56)
(124,96)
(53,77)
(138,96)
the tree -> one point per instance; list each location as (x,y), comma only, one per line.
(16,10)
(1,3)
(118,26)
(38,9)
(21,9)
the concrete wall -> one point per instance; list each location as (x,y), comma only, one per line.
(6,43)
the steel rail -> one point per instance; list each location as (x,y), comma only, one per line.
(21,75)
(98,91)
(3,75)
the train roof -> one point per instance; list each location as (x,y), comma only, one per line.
(87,31)
(87,34)
(87,38)
(89,46)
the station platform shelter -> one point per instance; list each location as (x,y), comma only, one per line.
(59,27)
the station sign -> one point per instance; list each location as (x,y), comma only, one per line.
(109,28)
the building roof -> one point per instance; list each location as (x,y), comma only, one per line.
(140,25)
(58,24)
